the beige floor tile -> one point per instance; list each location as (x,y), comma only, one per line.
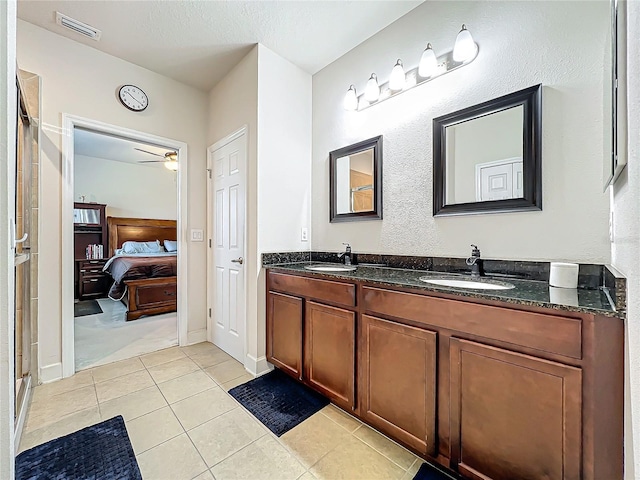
(413,469)
(162,356)
(170,370)
(205,476)
(210,357)
(176,459)
(116,369)
(226,386)
(79,380)
(354,460)
(204,406)
(198,348)
(70,424)
(314,438)
(224,435)
(225,371)
(56,407)
(186,386)
(394,452)
(134,405)
(341,418)
(264,459)
(124,385)
(152,429)
(307,476)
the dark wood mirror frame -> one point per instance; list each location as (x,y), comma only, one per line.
(376,213)
(531,100)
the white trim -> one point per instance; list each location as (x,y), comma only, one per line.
(69,122)
(50,373)
(197,336)
(22,412)
(244,130)
(257,366)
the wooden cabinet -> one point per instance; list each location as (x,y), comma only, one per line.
(513,415)
(398,392)
(91,281)
(329,352)
(284,333)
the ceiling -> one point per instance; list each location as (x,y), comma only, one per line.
(100,145)
(197,42)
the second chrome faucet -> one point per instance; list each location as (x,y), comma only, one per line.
(475,262)
(346,254)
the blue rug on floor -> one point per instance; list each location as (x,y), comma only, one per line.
(278,401)
(102,451)
(429,472)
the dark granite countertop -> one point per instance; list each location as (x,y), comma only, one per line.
(526,292)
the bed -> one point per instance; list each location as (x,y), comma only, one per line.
(145,283)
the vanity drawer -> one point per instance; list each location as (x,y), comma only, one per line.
(546,333)
(332,292)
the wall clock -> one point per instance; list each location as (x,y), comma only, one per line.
(133,98)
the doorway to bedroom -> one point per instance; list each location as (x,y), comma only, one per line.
(125,247)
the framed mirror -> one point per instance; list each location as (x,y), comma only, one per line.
(355,182)
(487,158)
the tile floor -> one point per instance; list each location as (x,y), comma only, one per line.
(184,425)
(125,339)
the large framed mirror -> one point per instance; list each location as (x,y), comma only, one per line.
(355,182)
(487,158)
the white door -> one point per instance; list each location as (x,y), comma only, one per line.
(228,166)
(499,180)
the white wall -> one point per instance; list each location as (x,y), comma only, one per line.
(128,190)
(7,210)
(82,81)
(563,45)
(625,249)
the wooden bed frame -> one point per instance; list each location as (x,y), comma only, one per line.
(146,296)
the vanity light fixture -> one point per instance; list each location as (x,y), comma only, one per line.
(431,66)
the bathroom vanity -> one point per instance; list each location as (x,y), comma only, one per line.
(491,385)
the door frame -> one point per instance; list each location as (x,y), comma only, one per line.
(69,123)
(242,131)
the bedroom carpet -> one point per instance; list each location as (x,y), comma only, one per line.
(278,401)
(86,307)
(100,451)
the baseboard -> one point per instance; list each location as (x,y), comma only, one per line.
(257,366)
(22,415)
(51,373)
(198,336)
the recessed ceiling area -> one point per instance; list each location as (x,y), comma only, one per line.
(99,145)
(198,42)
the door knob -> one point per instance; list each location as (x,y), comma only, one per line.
(238,260)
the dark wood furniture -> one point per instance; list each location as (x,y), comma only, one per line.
(145,296)
(494,391)
(89,281)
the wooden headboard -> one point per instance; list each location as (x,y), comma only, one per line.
(139,230)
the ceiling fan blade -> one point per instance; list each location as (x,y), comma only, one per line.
(152,161)
(150,153)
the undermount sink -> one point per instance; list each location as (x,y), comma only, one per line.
(331,268)
(472,284)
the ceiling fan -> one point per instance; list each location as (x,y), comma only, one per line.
(170,159)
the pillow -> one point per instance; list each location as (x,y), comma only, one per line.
(171,245)
(141,247)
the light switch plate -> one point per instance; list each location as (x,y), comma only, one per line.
(304,234)
(197,235)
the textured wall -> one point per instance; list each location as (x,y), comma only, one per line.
(522,43)
(625,249)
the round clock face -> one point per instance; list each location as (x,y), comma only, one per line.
(133,98)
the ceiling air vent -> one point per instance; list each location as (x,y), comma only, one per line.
(78,27)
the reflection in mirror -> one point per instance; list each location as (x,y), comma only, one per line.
(354,182)
(355,179)
(89,216)
(484,158)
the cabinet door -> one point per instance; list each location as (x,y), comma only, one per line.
(398,371)
(329,360)
(513,415)
(284,333)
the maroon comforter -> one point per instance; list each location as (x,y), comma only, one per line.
(132,268)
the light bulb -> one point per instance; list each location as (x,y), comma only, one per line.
(465,48)
(397,78)
(428,63)
(171,165)
(351,99)
(372,92)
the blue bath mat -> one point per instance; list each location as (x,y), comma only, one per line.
(99,452)
(429,472)
(278,401)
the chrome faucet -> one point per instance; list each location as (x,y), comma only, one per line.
(346,254)
(475,262)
